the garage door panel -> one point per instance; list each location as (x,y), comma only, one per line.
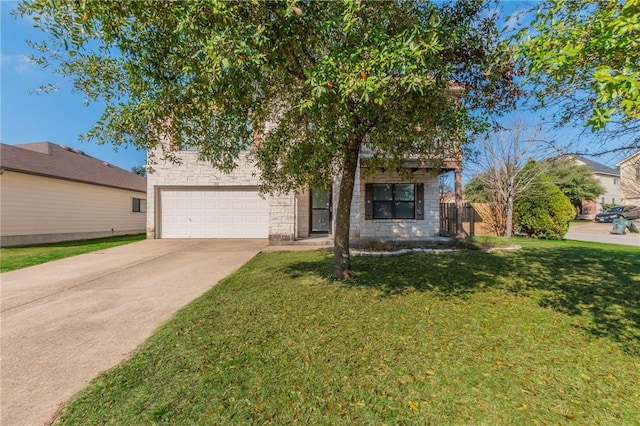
(197,213)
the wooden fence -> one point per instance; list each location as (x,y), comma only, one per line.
(472,223)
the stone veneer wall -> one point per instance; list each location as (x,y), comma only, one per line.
(192,172)
(395,229)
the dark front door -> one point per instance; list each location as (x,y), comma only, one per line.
(320,210)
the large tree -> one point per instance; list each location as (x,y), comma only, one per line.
(582,60)
(502,177)
(575,181)
(307,83)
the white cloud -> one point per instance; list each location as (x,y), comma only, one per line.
(21,64)
(24,64)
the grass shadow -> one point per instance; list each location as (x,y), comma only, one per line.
(598,284)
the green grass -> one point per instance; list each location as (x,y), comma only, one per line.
(546,335)
(12,258)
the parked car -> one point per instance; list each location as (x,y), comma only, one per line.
(628,212)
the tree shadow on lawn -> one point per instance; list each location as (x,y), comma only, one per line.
(600,285)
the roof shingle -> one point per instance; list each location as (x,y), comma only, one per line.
(56,161)
(598,168)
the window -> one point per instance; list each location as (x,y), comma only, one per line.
(394,201)
(188,147)
(615,181)
(638,173)
(139,205)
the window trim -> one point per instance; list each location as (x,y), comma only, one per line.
(418,201)
(141,207)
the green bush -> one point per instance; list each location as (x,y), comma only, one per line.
(544,212)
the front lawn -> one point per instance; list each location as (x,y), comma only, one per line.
(12,258)
(547,335)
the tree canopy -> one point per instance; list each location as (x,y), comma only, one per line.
(583,58)
(306,84)
(575,181)
(504,176)
(139,170)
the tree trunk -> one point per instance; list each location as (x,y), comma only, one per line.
(509,224)
(341,256)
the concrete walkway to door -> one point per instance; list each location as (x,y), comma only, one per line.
(65,322)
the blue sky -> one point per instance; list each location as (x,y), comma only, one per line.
(59,117)
(62,116)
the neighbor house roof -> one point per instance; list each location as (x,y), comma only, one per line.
(61,162)
(597,167)
(629,158)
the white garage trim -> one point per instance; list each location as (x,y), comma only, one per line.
(212,212)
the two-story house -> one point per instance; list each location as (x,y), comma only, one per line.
(190,199)
(610,180)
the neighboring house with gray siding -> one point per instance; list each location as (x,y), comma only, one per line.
(190,199)
(52,193)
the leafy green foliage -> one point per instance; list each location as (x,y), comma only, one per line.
(504,174)
(550,333)
(210,73)
(307,83)
(584,57)
(477,190)
(543,211)
(139,170)
(575,181)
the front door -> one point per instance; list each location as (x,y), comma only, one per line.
(320,211)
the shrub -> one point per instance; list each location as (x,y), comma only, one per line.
(543,212)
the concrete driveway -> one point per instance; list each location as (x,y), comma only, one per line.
(65,322)
(601,233)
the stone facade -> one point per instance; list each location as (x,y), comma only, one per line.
(289,213)
(396,229)
(192,172)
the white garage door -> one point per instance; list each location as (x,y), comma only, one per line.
(216,213)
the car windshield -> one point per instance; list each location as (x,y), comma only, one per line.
(615,209)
